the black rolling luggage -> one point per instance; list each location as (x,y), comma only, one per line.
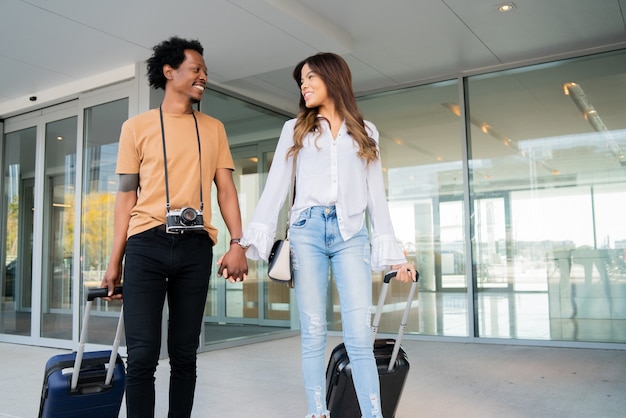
(96,391)
(392,362)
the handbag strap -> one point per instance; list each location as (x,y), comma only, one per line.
(292,195)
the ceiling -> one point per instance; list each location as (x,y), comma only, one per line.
(50,48)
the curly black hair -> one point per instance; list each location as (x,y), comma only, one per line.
(170,52)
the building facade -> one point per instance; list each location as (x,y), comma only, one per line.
(506,190)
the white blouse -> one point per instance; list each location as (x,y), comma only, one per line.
(328,172)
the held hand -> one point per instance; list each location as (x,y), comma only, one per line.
(222,271)
(406,272)
(112,278)
(233,265)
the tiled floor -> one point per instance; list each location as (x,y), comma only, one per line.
(447,379)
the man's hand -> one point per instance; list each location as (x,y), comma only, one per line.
(233,265)
(112,278)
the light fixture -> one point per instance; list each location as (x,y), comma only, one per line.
(590,114)
(483,126)
(576,93)
(506,7)
(59,138)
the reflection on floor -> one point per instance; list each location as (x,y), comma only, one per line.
(577,311)
(219,333)
(567,310)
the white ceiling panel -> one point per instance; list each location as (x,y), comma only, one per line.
(251,46)
(31,79)
(536,28)
(404,40)
(51,50)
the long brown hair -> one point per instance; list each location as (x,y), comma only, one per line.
(335,73)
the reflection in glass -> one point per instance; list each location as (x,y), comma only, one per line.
(59,204)
(421,152)
(18,197)
(100,185)
(547,175)
(491,253)
(451,235)
(242,299)
(255,306)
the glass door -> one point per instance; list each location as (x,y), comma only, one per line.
(241,300)
(58,228)
(17,226)
(257,305)
(262,299)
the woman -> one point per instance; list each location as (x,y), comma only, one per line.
(338,177)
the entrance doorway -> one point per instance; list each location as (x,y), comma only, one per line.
(256,306)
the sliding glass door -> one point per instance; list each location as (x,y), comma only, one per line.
(17,226)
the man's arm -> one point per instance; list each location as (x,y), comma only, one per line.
(233,264)
(124,202)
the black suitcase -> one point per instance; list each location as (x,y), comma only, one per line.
(391,359)
(96,391)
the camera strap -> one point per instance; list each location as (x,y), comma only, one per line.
(167,189)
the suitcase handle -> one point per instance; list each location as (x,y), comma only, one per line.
(102,292)
(379,309)
(390,275)
(93,293)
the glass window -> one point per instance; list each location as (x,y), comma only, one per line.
(256,306)
(421,151)
(18,200)
(547,181)
(100,184)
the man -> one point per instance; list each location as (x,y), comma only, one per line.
(168,159)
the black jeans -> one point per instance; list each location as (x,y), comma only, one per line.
(159,264)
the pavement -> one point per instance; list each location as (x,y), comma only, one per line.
(446,379)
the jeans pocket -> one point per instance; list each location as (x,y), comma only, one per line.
(302,220)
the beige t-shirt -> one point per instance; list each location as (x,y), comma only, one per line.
(141,152)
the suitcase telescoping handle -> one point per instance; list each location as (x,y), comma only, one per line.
(94,293)
(405,317)
(102,292)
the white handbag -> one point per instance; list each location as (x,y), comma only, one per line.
(279,260)
(279,267)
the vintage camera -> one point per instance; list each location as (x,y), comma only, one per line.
(179,221)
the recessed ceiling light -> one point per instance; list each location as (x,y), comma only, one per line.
(506,7)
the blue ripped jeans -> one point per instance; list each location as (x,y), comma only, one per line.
(317,244)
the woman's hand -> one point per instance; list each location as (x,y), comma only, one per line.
(406,272)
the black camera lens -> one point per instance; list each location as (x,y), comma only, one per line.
(188,216)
